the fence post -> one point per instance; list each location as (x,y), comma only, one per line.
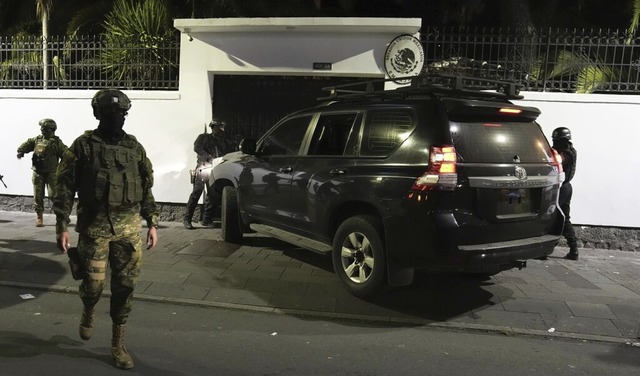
(545,63)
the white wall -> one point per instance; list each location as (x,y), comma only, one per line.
(605,132)
(162,122)
(166,123)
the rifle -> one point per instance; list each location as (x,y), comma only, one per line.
(2,176)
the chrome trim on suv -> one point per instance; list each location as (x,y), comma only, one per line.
(512,182)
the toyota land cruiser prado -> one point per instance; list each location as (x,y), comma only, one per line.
(446,173)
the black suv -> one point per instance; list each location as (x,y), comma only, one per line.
(443,174)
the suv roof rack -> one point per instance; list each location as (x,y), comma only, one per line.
(423,84)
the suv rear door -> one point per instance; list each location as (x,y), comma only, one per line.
(506,161)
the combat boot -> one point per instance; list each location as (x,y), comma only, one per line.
(572,256)
(118,350)
(186,222)
(86,323)
(39,220)
(573,252)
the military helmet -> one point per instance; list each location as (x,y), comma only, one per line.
(109,100)
(561,133)
(48,124)
(217,122)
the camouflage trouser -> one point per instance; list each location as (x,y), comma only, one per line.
(40,180)
(124,256)
(192,203)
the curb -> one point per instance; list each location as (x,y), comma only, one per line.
(466,327)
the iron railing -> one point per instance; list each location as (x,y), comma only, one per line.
(90,62)
(604,61)
(586,61)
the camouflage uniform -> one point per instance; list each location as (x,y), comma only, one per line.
(223,143)
(110,172)
(113,183)
(47,151)
(207,147)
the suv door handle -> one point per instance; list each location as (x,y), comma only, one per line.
(338,171)
(285,170)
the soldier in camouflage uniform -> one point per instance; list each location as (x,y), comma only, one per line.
(47,150)
(110,172)
(224,144)
(207,147)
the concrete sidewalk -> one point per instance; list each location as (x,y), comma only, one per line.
(596,298)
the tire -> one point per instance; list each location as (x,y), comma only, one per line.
(230,216)
(359,257)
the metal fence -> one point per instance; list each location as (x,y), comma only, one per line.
(89,62)
(584,61)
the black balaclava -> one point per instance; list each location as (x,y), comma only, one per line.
(111,124)
(561,143)
(47,132)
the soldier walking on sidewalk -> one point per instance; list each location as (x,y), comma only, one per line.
(110,172)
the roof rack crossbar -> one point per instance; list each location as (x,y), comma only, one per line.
(427,83)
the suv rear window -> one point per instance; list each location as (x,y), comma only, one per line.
(500,142)
(385,130)
(331,135)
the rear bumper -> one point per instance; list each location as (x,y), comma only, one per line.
(501,255)
(445,241)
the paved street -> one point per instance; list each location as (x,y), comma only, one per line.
(596,298)
(39,337)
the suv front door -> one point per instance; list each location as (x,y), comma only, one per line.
(267,194)
(320,173)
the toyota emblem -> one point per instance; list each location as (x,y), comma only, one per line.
(521,173)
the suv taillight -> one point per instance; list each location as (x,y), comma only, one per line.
(558,163)
(441,172)
(558,159)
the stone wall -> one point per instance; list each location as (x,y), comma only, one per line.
(169,212)
(620,238)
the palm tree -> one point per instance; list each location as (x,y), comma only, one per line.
(134,31)
(43,11)
(635,17)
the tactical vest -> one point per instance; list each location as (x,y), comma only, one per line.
(114,173)
(43,159)
(570,159)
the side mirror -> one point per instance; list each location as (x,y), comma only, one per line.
(248,146)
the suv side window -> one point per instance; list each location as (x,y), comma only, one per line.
(331,134)
(286,138)
(385,130)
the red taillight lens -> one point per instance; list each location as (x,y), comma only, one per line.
(558,163)
(441,172)
(442,159)
(558,159)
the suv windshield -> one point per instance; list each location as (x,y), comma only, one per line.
(500,142)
